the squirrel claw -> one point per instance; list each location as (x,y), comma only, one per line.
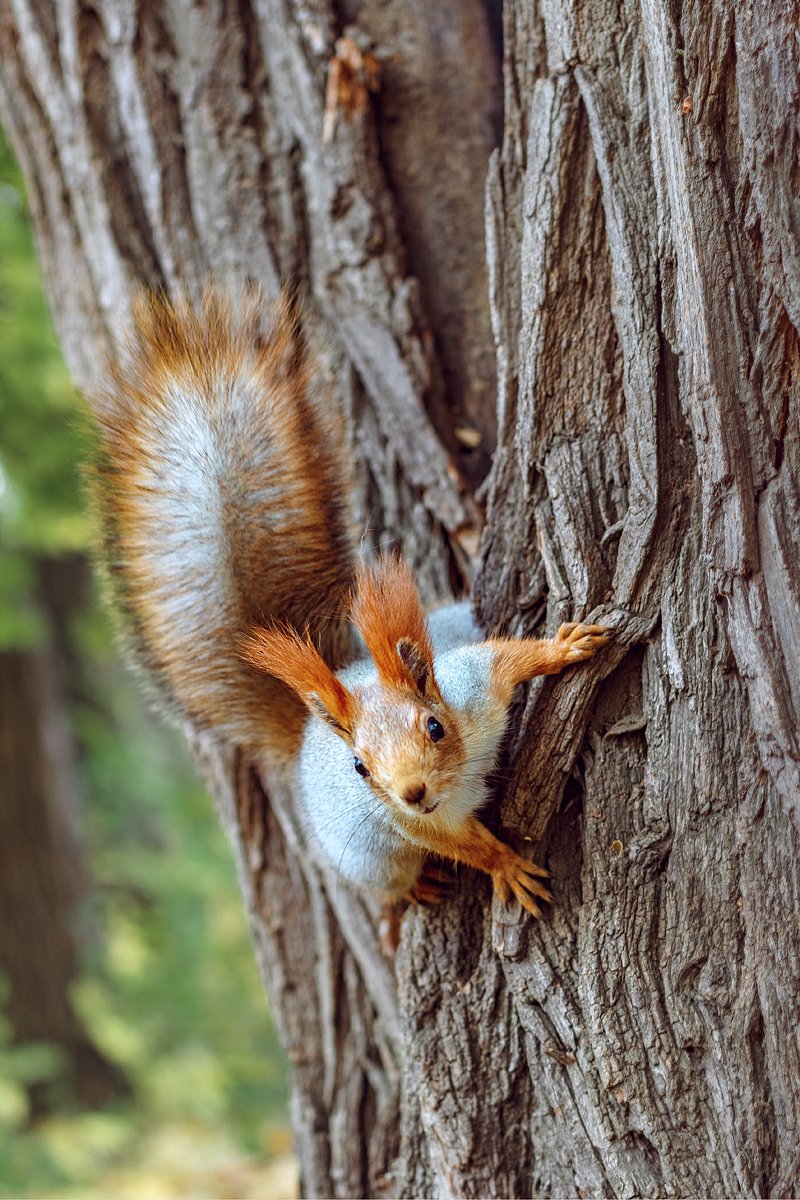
(581,641)
(517,878)
(532,868)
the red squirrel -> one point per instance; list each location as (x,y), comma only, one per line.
(228,542)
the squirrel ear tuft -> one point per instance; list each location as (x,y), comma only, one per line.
(281,651)
(387,611)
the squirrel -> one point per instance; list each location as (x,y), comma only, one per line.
(223,497)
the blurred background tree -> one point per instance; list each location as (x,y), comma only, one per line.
(133,1017)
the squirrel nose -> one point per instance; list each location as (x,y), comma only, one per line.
(414,795)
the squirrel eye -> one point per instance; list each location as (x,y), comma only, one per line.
(435,729)
(360,768)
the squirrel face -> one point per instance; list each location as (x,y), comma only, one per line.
(409,751)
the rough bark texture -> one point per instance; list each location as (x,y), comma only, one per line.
(642,252)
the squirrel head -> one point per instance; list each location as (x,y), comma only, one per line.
(405,739)
(407,746)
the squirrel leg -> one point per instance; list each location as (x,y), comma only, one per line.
(389,917)
(475,846)
(515,660)
(434,885)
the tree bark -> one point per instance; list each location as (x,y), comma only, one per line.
(642,257)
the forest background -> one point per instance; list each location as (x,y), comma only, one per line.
(166,990)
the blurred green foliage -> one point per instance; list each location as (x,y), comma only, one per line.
(168,988)
(40,444)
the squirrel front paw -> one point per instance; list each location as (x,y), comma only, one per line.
(518,877)
(579,642)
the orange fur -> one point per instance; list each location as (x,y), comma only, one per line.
(516,661)
(386,609)
(391,737)
(276,480)
(223,496)
(475,846)
(295,660)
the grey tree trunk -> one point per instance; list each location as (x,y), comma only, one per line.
(642,254)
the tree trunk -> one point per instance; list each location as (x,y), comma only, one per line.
(642,252)
(42,879)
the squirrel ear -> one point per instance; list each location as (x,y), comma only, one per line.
(387,611)
(295,660)
(419,665)
(323,709)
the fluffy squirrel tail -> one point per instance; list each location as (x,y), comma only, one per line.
(222,490)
